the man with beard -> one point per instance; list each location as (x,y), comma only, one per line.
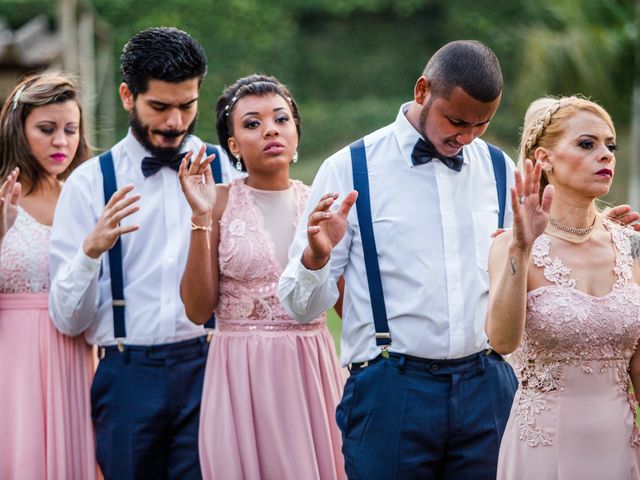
(426,398)
(146,391)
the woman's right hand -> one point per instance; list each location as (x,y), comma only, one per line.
(9,194)
(530,212)
(197,183)
(326,228)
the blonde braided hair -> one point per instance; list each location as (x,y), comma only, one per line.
(544,124)
(541,124)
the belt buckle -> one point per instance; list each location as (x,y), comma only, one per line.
(359,365)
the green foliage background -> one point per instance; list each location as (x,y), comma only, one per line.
(350,63)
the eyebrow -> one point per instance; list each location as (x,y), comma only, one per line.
(463,122)
(164,104)
(594,137)
(278,109)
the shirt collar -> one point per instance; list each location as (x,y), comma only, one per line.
(407,135)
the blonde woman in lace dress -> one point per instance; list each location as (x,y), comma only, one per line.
(564,296)
(45,424)
(271,385)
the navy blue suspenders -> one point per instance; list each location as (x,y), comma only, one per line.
(363,209)
(115,254)
(500,173)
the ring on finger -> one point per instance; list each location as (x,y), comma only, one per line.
(520,199)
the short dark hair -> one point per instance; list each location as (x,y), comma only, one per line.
(252,85)
(467,64)
(161,53)
(30,93)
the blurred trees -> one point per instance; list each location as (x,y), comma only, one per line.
(350,63)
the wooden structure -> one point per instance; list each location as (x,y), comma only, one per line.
(79,44)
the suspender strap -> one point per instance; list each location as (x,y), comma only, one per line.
(500,172)
(363,208)
(115,254)
(216,167)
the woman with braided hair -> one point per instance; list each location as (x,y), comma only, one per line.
(271,384)
(564,296)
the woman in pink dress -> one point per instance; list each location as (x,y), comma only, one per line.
(45,424)
(564,295)
(271,385)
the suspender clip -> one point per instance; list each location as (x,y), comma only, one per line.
(209,334)
(120,344)
(385,350)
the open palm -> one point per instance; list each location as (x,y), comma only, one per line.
(530,211)
(9,194)
(197,182)
(326,228)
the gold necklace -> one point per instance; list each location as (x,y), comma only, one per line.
(580,231)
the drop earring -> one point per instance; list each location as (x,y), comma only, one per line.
(295,157)
(238,163)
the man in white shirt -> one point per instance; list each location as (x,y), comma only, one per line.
(146,392)
(426,397)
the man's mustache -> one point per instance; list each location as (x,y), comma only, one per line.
(169,133)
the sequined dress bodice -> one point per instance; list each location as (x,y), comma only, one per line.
(568,329)
(249,270)
(24,264)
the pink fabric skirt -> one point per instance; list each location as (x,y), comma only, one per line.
(45,377)
(268,406)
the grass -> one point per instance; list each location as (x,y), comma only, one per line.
(335,327)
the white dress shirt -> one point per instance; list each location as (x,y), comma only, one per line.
(153,257)
(433,229)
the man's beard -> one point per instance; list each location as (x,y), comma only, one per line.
(424,113)
(143,133)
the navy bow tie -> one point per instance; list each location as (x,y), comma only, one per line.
(151,165)
(424,152)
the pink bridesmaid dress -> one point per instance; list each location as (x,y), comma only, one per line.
(45,376)
(271,385)
(573,416)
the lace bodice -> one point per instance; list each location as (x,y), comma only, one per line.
(566,327)
(249,270)
(24,262)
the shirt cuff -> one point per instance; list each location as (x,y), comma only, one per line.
(82,263)
(310,279)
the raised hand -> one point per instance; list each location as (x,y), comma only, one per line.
(326,228)
(108,229)
(197,182)
(530,212)
(9,194)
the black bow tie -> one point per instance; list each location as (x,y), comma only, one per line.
(424,152)
(151,165)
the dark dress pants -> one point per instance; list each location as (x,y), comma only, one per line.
(146,409)
(406,418)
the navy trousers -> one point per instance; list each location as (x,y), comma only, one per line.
(145,404)
(407,418)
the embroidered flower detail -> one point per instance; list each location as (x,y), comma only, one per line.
(237,227)
(549,376)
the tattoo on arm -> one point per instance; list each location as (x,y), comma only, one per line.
(512,262)
(635,245)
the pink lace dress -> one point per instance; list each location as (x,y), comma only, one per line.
(573,416)
(271,385)
(45,422)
